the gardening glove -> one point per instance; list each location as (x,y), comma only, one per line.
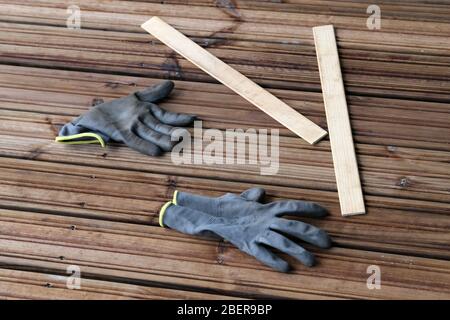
(248,224)
(134,120)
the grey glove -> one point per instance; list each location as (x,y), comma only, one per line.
(248,224)
(134,120)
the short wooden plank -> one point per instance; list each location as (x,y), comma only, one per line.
(341,141)
(236,81)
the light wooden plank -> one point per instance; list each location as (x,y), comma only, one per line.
(342,149)
(234,80)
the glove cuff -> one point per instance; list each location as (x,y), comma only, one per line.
(165,206)
(75,134)
(81,138)
(175,196)
(162,212)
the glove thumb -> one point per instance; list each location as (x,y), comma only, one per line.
(254,194)
(156,92)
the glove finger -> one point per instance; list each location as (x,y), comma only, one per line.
(303,231)
(161,140)
(269,258)
(289,247)
(254,194)
(156,125)
(297,208)
(171,118)
(156,92)
(141,145)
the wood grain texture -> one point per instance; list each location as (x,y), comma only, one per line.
(17,284)
(235,80)
(341,140)
(97,208)
(106,250)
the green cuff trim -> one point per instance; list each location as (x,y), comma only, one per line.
(162,212)
(70,139)
(174,200)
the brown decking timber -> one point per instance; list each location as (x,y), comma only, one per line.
(97,208)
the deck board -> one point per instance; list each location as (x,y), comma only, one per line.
(97,208)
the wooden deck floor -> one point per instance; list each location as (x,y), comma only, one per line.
(97,209)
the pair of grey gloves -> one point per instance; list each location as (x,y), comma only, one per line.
(242,220)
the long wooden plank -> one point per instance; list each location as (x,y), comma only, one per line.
(17,284)
(57,10)
(136,43)
(74,95)
(125,195)
(304,174)
(236,53)
(398,11)
(342,149)
(149,254)
(258,34)
(379,76)
(310,172)
(235,80)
